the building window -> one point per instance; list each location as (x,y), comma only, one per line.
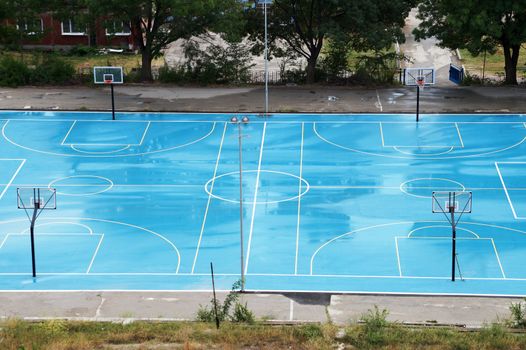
(70,27)
(31,26)
(119,28)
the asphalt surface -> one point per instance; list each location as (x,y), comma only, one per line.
(128,306)
(282,99)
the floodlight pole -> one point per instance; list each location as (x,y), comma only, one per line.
(112,103)
(244,120)
(266,57)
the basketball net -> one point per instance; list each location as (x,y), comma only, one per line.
(421,83)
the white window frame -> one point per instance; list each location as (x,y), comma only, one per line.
(25,29)
(119,33)
(70,26)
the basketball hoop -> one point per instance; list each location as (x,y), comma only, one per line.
(108,78)
(421,82)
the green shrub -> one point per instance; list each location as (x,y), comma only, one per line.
(173,75)
(375,325)
(13,73)
(379,68)
(241,313)
(82,50)
(518,315)
(133,76)
(52,70)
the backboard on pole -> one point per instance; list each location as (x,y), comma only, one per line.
(108,75)
(419,76)
(446,201)
(43,198)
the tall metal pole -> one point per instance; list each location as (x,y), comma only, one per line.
(266,59)
(241,205)
(243,120)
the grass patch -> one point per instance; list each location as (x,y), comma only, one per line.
(494,63)
(375,333)
(83,62)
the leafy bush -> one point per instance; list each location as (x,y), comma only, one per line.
(216,64)
(375,324)
(335,62)
(518,315)
(53,70)
(240,314)
(82,50)
(243,314)
(13,73)
(380,68)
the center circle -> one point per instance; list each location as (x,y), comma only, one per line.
(424,187)
(81,185)
(273,187)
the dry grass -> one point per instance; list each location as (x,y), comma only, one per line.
(127,61)
(62,335)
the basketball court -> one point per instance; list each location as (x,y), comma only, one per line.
(335,203)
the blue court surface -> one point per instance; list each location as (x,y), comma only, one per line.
(332,203)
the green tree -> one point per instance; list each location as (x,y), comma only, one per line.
(22,12)
(304,25)
(156,23)
(477,26)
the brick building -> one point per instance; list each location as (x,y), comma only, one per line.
(53,33)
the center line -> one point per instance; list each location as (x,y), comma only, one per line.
(209,199)
(255,196)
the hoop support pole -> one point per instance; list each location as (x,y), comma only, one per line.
(417,103)
(453,237)
(112,103)
(32,232)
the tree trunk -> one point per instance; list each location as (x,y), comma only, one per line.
(146,68)
(511,58)
(311,69)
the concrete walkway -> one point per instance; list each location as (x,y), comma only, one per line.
(169,306)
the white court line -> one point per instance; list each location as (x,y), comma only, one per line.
(299,201)
(398,257)
(148,123)
(382,134)
(209,198)
(95,254)
(6,138)
(255,196)
(459,136)
(3,241)
(390,156)
(117,185)
(506,191)
(145,132)
(67,134)
(498,258)
(378,104)
(23,161)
